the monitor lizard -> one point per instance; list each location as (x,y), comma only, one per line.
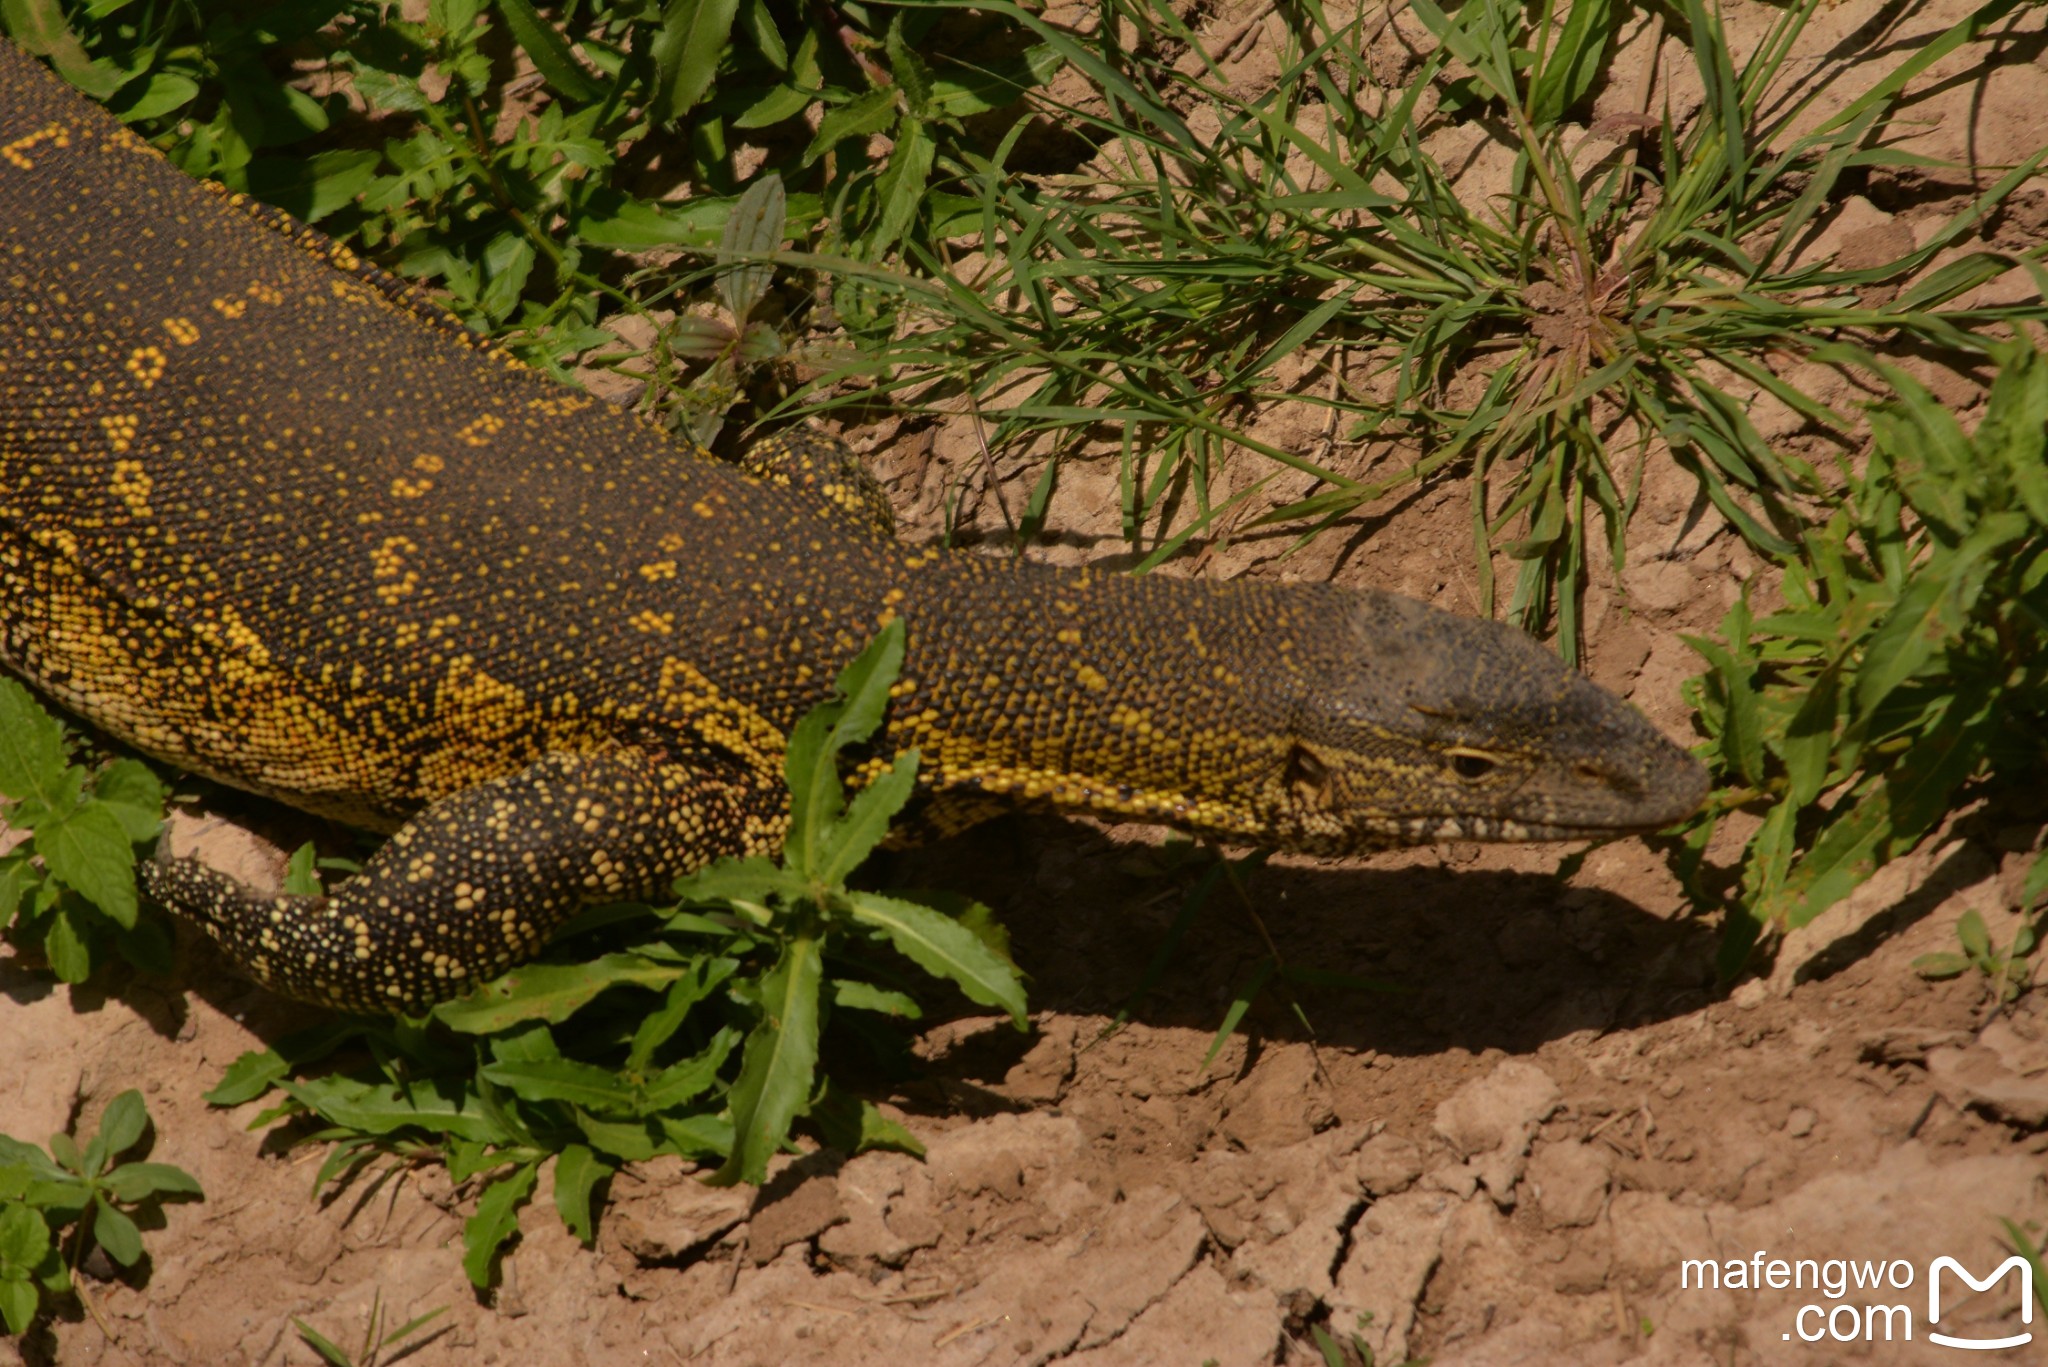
(268,515)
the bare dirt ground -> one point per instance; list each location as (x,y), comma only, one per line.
(1504,1162)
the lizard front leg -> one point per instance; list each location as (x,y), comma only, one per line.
(479,880)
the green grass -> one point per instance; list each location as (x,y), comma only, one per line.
(529,213)
(1906,674)
(1544,345)
(381,1344)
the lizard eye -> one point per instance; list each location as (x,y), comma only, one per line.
(1467,764)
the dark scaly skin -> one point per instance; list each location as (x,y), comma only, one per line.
(267,517)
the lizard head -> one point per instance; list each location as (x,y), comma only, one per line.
(1420,725)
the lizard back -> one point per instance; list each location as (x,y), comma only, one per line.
(266,516)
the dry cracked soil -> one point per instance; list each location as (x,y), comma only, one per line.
(1507,1158)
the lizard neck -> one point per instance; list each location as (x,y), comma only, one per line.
(1151,698)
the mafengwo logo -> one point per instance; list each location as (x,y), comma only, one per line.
(1864,1320)
(2020,1269)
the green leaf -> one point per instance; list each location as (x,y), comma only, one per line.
(655,1029)
(2036,882)
(760,26)
(39,26)
(854,1125)
(311,188)
(878,1131)
(581,1084)
(548,992)
(901,187)
(811,762)
(855,995)
(908,68)
(781,102)
(1741,726)
(89,852)
(508,262)
(148,945)
(134,794)
(755,227)
(528,1044)
(18,1302)
(853,837)
(686,51)
(1573,65)
(410,1327)
(1808,745)
(24,1236)
(68,947)
(265,112)
(1840,859)
(17,877)
(40,1166)
(960,94)
(1770,854)
(859,118)
(254,1073)
(1723,84)
(616,220)
(1974,937)
(942,946)
(631,1141)
(389,90)
(159,95)
(123,1123)
(116,1233)
(1940,966)
(776,1070)
(550,52)
(577,1173)
(300,876)
(65,1150)
(495,1221)
(438,1105)
(752,879)
(134,1182)
(697,1136)
(685,1081)
(1903,642)
(31,741)
(702,339)
(466,1158)
(760,342)
(2013,434)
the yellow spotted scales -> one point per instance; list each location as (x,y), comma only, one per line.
(267,516)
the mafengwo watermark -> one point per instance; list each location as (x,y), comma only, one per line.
(1871,1300)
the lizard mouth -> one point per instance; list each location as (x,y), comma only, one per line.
(1589,801)
(1425,830)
